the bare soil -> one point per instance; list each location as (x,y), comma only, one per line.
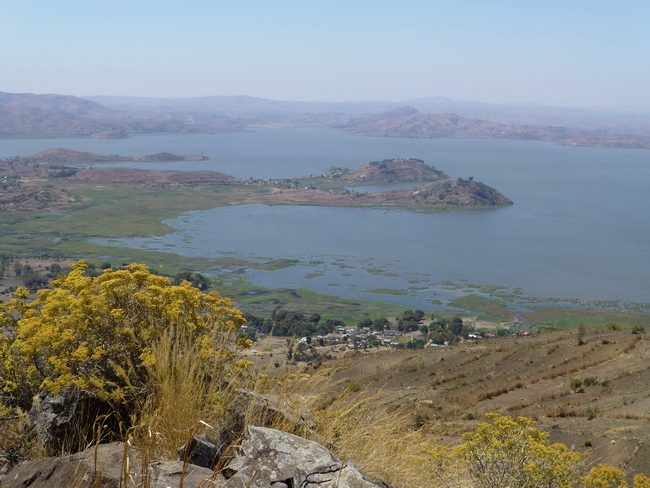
(454,387)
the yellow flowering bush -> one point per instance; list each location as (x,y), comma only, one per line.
(506,452)
(511,453)
(100,333)
(604,476)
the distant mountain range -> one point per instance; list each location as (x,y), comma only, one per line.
(408,122)
(25,115)
(624,120)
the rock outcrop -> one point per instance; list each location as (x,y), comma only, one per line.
(269,457)
(265,458)
(66,421)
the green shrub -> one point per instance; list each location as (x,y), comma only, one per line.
(354,387)
(576,385)
(591,413)
(420,420)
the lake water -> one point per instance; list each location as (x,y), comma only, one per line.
(579,227)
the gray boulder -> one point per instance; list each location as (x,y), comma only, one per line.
(79,470)
(269,409)
(65,421)
(248,407)
(170,473)
(203,452)
(103,466)
(273,458)
(266,458)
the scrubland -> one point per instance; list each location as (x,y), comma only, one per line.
(439,416)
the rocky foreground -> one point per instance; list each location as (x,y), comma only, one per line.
(256,457)
(265,457)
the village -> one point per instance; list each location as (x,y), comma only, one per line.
(350,342)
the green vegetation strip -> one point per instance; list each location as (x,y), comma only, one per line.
(119,212)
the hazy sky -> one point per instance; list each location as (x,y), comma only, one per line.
(567,53)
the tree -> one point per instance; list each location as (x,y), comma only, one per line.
(456,326)
(5,261)
(100,333)
(195,279)
(365,323)
(581,334)
(34,281)
(381,323)
(55,269)
(182,276)
(201,282)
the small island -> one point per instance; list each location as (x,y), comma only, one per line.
(388,171)
(59,155)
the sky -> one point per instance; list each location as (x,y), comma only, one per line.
(571,53)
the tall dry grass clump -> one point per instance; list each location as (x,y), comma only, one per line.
(189,394)
(386,445)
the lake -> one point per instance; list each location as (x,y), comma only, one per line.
(578,229)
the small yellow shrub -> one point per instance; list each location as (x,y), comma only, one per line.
(641,481)
(506,452)
(603,476)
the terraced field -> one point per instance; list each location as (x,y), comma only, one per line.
(594,396)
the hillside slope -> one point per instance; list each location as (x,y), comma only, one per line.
(528,376)
(409,122)
(393,171)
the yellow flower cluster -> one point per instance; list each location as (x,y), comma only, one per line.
(509,452)
(99,333)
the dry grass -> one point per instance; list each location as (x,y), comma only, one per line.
(387,444)
(389,424)
(190,395)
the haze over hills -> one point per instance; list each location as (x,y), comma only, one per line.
(627,119)
(409,122)
(57,103)
(30,115)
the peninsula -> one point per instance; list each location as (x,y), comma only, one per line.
(40,183)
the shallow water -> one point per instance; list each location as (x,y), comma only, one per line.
(578,229)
